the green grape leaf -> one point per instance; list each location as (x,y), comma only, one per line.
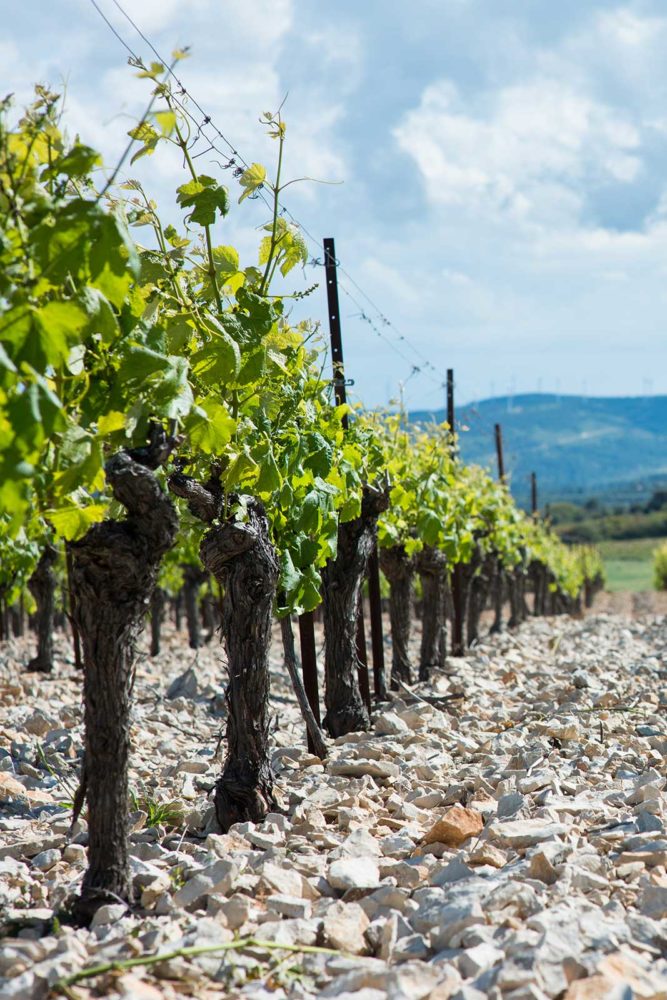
(290,577)
(350,509)
(260,315)
(252,179)
(204,196)
(210,427)
(101,317)
(166,121)
(429,527)
(173,239)
(77,162)
(146,134)
(310,514)
(57,324)
(5,360)
(226,260)
(71,522)
(310,596)
(242,471)
(319,454)
(110,422)
(219,361)
(178,334)
(269,479)
(253,368)
(86,469)
(36,413)
(138,362)
(172,395)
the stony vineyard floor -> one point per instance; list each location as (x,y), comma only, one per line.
(507,844)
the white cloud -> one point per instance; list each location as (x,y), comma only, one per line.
(149,15)
(457,277)
(528,149)
(627,28)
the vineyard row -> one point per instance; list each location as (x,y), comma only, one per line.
(159,410)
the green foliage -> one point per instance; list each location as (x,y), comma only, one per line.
(84,365)
(19,553)
(158,812)
(660,567)
(616,526)
(100,336)
(261,420)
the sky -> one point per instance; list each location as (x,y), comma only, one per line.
(497,182)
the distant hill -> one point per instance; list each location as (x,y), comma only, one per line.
(579,446)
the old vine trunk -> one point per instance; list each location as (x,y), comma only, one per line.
(114,567)
(431,565)
(42,586)
(399,569)
(241,557)
(193,577)
(341,587)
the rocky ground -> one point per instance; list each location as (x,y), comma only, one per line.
(509,843)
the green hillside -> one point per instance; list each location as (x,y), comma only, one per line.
(579,446)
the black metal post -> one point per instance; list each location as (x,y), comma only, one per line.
(533,493)
(450,405)
(455,582)
(499,453)
(334,323)
(335,332)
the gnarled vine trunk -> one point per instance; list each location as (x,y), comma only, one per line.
(193,577)
(479,594)
(341,586)
(463,575)
(210,615)
(591,588)
(242,559)
(399,569)
(538,583)
(516,583)
(498,590)
(432,567)
(158,602)
(42,586)
(113,572)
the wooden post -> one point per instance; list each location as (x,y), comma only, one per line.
(499,453)
(533,493)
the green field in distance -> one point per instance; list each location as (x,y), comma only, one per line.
(629,563)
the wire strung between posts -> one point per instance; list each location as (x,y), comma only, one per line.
(414,369)
(426,367)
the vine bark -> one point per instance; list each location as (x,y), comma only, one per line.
(341,587)
(399,569)
(42,586)
(241,557)
(114,567)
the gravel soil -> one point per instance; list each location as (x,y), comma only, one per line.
(499,833)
